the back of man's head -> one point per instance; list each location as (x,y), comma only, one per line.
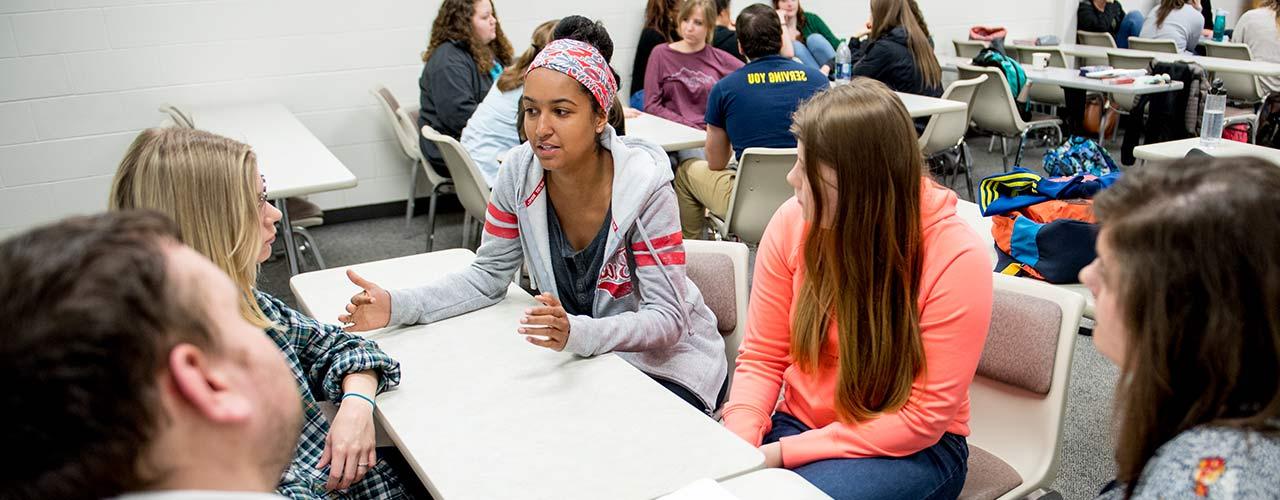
(95,311)
(759,31)
(587,31)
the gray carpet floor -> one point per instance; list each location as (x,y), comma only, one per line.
(1086,450)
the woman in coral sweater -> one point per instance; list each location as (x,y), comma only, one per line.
(871,300)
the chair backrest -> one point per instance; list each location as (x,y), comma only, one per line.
(1056,58)
(719,269)
(1096,38)
(1124,61)
(758,190)
(179,118)
(1018,398)
(1153,45)
(472,189)
(968,48)
(389,107)
(1240,86)
(992,108)
(945,130)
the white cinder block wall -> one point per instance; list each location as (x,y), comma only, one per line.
(80,78)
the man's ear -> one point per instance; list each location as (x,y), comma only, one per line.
(204,387)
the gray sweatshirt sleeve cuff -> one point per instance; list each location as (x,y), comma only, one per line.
(406,309)
(580,342)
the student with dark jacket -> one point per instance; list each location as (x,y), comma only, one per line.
(1101,16)
(726,37)
(898,52)
(659,28)
(466,54)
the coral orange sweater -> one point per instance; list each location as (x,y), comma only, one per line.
(955,310)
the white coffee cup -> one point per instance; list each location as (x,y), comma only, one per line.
(1040,60)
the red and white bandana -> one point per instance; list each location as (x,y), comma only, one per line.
(583,63)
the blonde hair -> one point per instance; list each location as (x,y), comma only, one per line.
(708,10)
(205,182)
(862,271)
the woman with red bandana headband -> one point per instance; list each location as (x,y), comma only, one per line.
(595,216)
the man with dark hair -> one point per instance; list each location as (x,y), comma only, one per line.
(725,37)
(130,370)
(750,107)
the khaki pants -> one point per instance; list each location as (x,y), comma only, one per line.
(699,188)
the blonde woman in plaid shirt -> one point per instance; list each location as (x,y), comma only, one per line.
(211,187)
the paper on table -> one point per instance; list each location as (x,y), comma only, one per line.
(702,489)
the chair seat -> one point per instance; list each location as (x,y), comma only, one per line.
(307,222)
(300,209)
(1041,119)
(989,477)
(1236,115)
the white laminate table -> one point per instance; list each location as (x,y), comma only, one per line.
(480,413)
(769,484)
(670,135)
(920,106)
(1070,78)
(1173,150)
(291,159)
(1214,64)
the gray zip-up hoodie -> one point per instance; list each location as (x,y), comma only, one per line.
(646,309)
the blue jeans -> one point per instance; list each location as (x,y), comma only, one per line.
(1130,26)
(935,472)
(814,51)
(637,100)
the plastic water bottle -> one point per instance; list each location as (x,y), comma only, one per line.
(1215,107)
(844,64)
(1219,24)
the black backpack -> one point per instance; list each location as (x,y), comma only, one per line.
(1269,123)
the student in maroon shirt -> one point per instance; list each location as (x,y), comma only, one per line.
(680,74)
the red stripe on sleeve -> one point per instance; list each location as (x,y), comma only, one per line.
(509,233)
(660,242)
(669,259)
(500,216)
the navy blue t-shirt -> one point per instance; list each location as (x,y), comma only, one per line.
(754,104)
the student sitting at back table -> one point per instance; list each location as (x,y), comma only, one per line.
(466,54)
(1100,16)
(751,107)
(681,73)
(1258,29)
(1177,20)
(870,305)
(812,40)
(595,216)
(660,28)
(898,52)
(491,131)
(211,187)
(725,38)
(1191,321)
(130,371)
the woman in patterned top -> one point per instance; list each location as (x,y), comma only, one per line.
(1187,280)
(211,187)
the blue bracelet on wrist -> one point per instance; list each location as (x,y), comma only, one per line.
(361,396)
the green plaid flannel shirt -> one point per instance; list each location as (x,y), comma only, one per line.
(320,356)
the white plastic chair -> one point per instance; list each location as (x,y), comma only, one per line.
(180,119)
(1153,45)
(402,122)
(719,269)
(968,48)
(945,132)
(1045,93)
(1018,398)
(468,182)
(1096,39)
(1241,87)
(758,190)
(995,111)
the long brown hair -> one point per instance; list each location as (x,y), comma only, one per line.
(453,24)
(1274,5)
(915,10)
(1166,7)
(801,21)
(660,16)
(513,77)
(862,271)
(1196,267)
(889,14)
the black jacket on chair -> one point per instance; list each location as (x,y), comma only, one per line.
(451,87)
(889,60)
